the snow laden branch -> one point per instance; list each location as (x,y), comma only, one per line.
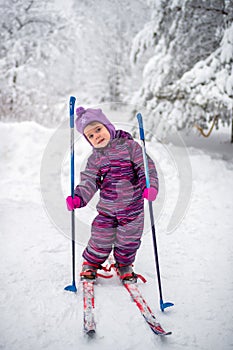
(32,38)
(144,40)
(188,77)
(204,91)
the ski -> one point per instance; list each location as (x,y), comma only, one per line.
(89,324)
(145,310)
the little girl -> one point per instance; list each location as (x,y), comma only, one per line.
(116,169)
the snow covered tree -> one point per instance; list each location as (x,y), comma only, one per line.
(189,77)
(49,50)
(106,29)
(29,45)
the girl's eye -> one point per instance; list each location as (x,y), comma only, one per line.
(98,130)
(90,136)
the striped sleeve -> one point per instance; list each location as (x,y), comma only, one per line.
(88,185)
(137,159)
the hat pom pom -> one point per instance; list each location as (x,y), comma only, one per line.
(80,111)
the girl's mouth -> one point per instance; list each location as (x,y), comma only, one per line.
(100,141)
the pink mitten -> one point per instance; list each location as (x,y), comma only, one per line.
(73,203)
(150,194)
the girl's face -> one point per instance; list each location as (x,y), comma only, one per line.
(97,134)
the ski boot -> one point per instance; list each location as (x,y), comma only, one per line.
(89,271)
(126,273)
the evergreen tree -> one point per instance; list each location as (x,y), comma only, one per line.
(106,30)
(189,77)
(28,48)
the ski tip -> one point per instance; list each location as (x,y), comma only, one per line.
(164,334)
(91,333)
(158,330)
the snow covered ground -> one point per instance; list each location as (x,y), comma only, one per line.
(35,253)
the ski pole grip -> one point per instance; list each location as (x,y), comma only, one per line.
(141,129)
(72,102)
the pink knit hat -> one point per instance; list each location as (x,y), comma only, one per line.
(89,115)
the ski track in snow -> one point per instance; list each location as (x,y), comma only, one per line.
(35,258)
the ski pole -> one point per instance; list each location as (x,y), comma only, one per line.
(72,287)
(145,160)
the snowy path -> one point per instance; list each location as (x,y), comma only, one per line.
(196,265)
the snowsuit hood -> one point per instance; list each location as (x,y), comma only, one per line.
(89,115)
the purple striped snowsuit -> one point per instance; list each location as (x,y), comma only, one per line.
(117,171)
